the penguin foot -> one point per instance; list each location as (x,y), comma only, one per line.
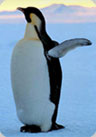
(56,126)
(30,129)
(37,129)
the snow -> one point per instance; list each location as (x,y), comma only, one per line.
(77,109)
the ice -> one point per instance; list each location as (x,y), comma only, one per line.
(77,109)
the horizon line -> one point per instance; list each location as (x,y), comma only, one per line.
(49,6)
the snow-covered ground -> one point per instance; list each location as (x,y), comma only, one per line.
(77,109)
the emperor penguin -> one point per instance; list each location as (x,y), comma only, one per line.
(36,74)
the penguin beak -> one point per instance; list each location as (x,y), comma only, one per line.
(21,9)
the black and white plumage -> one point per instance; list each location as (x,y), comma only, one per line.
(36,74)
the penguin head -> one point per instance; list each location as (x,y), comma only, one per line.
(34,16)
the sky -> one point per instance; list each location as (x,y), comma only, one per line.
(79,16)
(13,4)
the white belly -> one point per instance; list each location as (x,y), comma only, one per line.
(30,82)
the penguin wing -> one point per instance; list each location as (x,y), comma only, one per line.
(61,49)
